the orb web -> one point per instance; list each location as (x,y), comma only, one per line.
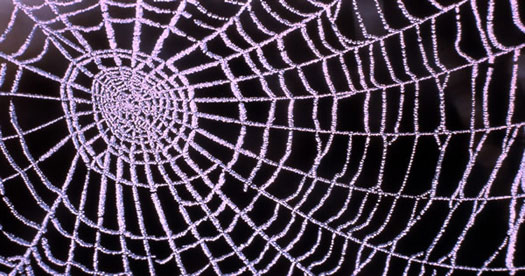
(262,137)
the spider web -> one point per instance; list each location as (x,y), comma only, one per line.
(262,137)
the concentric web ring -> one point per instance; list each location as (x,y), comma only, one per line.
(262,137)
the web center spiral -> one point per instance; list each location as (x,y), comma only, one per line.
(139,111)
(132,104)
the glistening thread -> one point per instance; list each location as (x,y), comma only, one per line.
(262,137)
